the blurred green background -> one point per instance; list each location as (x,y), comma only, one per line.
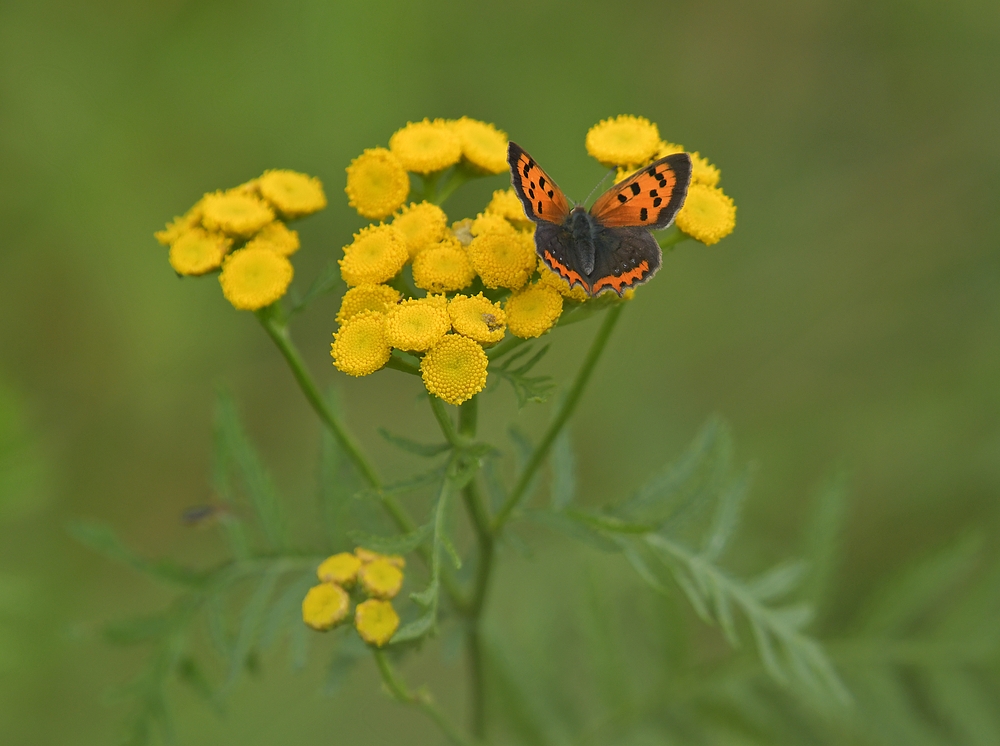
(852,320)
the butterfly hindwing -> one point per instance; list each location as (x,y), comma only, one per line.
(543,201)
(623,258)
(555,245)
(649,198)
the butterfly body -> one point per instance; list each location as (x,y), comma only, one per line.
(609,246)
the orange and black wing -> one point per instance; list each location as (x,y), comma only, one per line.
(543,201)
(649,198)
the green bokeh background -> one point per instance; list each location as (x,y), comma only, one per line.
(852,320)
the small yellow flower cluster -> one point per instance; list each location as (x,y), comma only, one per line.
(376,576)
(378,182)
(629,143)
(243,231)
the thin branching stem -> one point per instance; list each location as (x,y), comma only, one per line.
(562,415)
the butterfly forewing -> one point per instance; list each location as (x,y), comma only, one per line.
(650,198)
(543,201)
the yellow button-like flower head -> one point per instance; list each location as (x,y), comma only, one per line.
(367,298)
(703,172)
(503,260)
(506,204)
(376,621)
(278,237)
(478,318)
(360,347)
(533,311)
(416,324)
(455,369)
(325,606)
(708,214)
(554,280)
(292,194)
(425,147)
(377,255)
(180,225)
(443,268)
(235,212)
(667,148)
(623,141)
(381,578)
(377,184)
(253,278)
(367,555)
(341,569)
(483,145)
(490,222)
(196,252)
(422,225)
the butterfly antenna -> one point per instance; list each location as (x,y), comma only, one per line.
(599,184)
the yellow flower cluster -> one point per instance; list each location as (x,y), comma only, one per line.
(243,232)
(628,143)
(377,576)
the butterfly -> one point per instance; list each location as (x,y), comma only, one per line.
(609,246)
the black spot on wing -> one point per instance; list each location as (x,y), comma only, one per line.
(635,188)
(622,197)
(643,214)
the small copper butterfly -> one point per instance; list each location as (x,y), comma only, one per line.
(609,246)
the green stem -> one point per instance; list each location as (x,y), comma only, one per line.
(562,415)
(421,700)
(397,363)
(458,176)
(444,421)
(511,343)
(468,417)
(671,237)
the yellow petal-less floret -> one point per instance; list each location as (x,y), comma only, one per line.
(623,141)
(478,318)
(360,346)
(380,578)
(425,147)
(416,325)
(253,278)
(325,606)
(376,256)
(667,148)
(368,297)
(341,569)
(533,311)
(180,225)
(292,194)
(367,555)
(376,621)
(278,237)
(444,267)
(504,260)
(703,172)
(235,212)
(455,369)
(490,222)
(483,145)
(554,280)
(422,225)
(506,204)
(708,214)
(197,251)
(377,184)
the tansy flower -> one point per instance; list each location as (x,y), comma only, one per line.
(376,621)
(367,555)
(179,226)
(503,260)
(477,318)
(253,278)
(553,280)
(506,204)
(455,369)
(490,222)
(533,311)
(425,147)
(462,231)
(359,347)
(278,237)
(377,255)
(381,578)
(667,148)
(421,225)
(377,184)
(483,145)
(438,301)
(196,252)
(368,297)
(292,194)
(416,325)
(443,267)
(622,141)
(341,569)
(703,172)
(325,606)
(235,212)
(708,214)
